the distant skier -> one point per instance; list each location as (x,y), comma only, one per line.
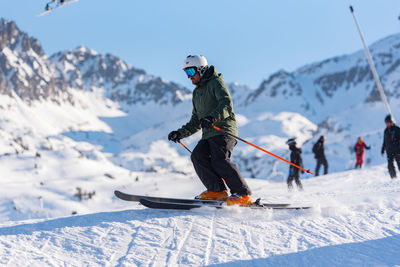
(295,157)
(391,144)
(212,105)
(359,148)
(53,4)
(319,155)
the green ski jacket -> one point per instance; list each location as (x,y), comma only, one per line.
(211,98)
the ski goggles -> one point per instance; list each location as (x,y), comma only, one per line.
(190,72)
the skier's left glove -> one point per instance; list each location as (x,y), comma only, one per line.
(207,122)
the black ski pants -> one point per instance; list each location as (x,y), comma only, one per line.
(211,161)
(294,175)
(391,168)
(324,162)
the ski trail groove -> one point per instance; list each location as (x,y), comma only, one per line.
(246,240)
(174,258)
(132,241)
(210,240)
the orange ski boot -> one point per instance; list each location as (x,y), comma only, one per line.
(211,195)
(241,200)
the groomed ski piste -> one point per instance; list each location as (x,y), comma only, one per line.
(355,221)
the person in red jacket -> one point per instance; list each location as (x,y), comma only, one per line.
(359,148)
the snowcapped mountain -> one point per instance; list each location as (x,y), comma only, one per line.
(25,70)
(32,75)
(321,89)
(85,69)
(340,96)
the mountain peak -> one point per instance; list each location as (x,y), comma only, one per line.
(11,36)
(85,50)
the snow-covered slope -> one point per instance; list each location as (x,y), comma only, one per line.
(354,222)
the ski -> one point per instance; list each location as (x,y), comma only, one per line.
(137,198)
(188,206)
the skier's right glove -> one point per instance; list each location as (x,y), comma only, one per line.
(174,136)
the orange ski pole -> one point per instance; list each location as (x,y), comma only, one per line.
(185,147)
(263,150)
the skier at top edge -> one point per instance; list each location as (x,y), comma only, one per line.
(212,105)
(57,3)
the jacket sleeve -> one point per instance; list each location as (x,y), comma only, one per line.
(224,108)
(192,126)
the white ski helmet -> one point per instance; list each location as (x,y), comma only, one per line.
(198,61)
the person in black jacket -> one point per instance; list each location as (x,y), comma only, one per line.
(391,144)
(319,155)
(295,157)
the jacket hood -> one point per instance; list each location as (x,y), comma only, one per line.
(209,74)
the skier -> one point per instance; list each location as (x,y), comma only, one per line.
(359,148)
(295,157)
(319,155)
(212,105)
(391,144)
(55,4)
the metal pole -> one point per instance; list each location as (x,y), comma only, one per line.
(372,66)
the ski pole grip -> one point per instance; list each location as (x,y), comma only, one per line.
(351,9)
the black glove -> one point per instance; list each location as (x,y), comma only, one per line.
(174,136)
(207,122)
(383,151)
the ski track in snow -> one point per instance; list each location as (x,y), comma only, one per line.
(355,221)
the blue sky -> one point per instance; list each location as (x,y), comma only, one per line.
(245,40)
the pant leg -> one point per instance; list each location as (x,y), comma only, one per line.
(391,169)
(397,157)
(358,160)
(290,181)
(361,160)
(317,167)
(298,182)
(201,159)
(325,163)
(221,147)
